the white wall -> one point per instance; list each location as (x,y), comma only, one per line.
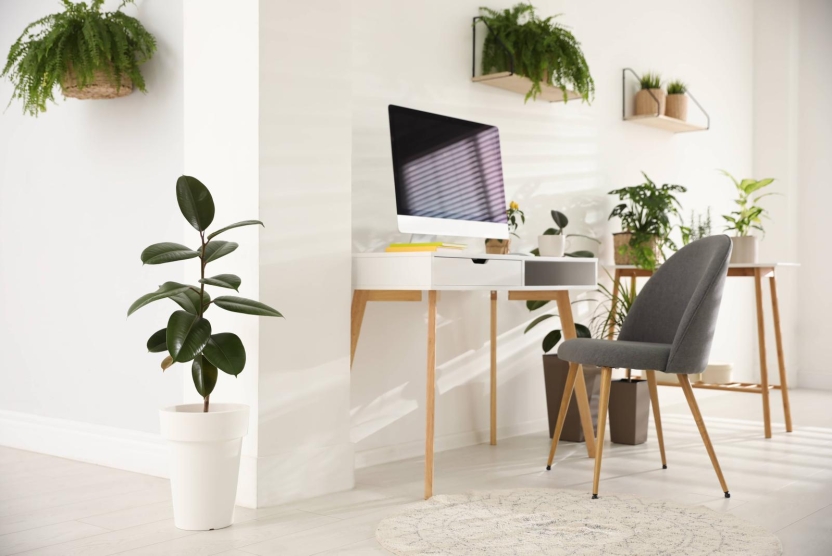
(555,156)
(83,189)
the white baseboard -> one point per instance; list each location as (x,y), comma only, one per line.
(397,452)
(126,449)
(814,381)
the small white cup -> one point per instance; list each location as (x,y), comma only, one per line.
(552,245)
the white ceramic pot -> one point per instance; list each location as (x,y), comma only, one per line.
(744,249)
(205,462)
(551,246)
(717,373)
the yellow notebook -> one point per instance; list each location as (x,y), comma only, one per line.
(420,248)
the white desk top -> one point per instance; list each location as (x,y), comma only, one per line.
(733,265)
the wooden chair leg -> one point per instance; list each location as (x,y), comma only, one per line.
(684,380)
(657,416)
(564,405)
(603,403)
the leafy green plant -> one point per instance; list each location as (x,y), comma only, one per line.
(554,336)
(750,215)
(77,42)
(513,213)
(541,49)
(698,228)
(676,87)
(561,222)
(646,214)
(651,80)
(188,335)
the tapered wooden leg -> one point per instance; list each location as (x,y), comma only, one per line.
(761,340)
(359,304)
(430,396)
(564,406)
(603,403)
(684,380)
(657,416)
(781,359)
(567,325)
(493,368)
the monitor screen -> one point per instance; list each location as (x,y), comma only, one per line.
(445,168)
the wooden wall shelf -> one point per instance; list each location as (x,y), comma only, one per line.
(509,81)
(666,123)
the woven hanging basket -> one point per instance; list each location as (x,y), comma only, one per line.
(101,87)
(621,244)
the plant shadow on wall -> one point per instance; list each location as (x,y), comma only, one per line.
(87,53)
(188,335)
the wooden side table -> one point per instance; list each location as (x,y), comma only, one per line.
(758,271)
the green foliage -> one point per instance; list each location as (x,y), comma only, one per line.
(513,213)
(749,216)
(188,335)
(698,228)
(605,323)
(542,50)
(676,87)
(646,213)
(554,336)
(561,222)
(651,80)
(78,41)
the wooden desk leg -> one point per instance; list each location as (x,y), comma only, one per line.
(567,325)
(493,368)
(761,340)
(781,359)
(430,395)
(359,304)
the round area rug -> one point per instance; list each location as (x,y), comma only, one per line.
(561,522)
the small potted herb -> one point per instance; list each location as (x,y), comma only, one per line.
(515,218)
(645,215)
(677,100)
(87,53)
(747,218)
(699,227)
(553,241)
(650,93)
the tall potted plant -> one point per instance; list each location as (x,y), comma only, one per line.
(205,438)
(540,49)
(747,218)
(87,53)
(645,212)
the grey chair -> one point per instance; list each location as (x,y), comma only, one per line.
(670,328)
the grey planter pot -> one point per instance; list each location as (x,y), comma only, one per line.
(554,374)
(629,411)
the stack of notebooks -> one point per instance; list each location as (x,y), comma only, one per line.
(436,246)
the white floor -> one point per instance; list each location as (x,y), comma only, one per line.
(59,507)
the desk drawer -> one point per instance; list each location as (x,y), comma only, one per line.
(476,272)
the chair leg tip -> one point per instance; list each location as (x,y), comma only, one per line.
(595,497)
(548,468)
(727,494)
(664,466)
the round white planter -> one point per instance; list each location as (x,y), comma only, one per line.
(551,246)
(744,249)
(205,462)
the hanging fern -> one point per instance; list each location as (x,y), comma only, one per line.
(543,50)
(77,42)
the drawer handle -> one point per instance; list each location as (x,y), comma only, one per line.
(479,261)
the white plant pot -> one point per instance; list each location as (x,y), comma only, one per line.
(551,246)
(717,373)
(205,462)
(744,249)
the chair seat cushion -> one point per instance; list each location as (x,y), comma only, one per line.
(616,353)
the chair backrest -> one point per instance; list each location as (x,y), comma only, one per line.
(680,303)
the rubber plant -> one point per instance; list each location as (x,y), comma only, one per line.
(77,45)
(540,49)
(561,222)
(188,336)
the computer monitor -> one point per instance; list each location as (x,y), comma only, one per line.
(448,175)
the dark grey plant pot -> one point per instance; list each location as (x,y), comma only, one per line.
(554,374)
(629,411)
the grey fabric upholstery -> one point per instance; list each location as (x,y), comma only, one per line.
(677,310)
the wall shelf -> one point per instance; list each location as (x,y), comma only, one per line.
(660,121)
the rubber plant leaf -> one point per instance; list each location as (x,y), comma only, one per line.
(167,252)
(189,301)
(195,202)
(226,352)
(216,249)
(247,306)
(212,235)
(204,375)
(168,289)
(187,335)
(551,340)
(230,281)
(157,343)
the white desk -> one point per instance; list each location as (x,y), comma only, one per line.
(404,276)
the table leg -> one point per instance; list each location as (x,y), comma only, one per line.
(761,340)
(567,324)
(493,368)
(359,304)
(430,396)
(781,359)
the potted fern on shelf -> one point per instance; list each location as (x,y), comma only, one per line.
(205,438)
(88,53)
(540,49)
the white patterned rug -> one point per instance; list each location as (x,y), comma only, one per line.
(562,522)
